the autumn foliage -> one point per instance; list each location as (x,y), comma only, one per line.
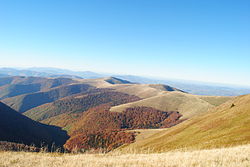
(80,103)
(105,140)
(98,128)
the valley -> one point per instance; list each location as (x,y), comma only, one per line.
(115,116)
(124,83)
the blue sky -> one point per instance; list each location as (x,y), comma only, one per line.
(206,40)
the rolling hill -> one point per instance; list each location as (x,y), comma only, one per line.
(98,128)
(143,90)
(25,102)
(14,86)
(14,127)
(105,113)
(192,87)
(79,103)
(91,125)
(188,105)
(226,125)
(25,93)
(113,80)
(112,94)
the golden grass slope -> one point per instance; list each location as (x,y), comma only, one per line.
(140,90)
(99,83)
(227,125)
(224,157)
(188,105)
(216,100)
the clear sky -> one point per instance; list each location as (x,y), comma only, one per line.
(206,40)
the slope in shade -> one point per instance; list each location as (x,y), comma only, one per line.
(14,127)
(79,103)
(25,102)
(113,80)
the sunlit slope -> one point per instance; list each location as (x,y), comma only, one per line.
(227,125)
(144,90)
(140,90)
(188,105)
(104,82)
(216,100)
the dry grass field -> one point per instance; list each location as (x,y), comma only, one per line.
(225,157)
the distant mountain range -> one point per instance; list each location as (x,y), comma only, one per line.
(48,72)
(197,88)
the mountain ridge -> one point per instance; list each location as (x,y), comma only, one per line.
(193,87)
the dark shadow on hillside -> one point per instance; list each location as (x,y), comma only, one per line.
(15,127)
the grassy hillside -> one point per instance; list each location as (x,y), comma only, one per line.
(14,127)
(188,105)
(225,157)
(216,100)
(226,125)
(98,83)
(140,90)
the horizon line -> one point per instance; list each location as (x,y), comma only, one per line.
(158,78)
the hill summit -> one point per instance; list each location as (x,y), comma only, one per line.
(114,80)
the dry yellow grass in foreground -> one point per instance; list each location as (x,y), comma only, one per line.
(226,157)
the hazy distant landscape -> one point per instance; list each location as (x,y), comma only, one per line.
(193,87)
(135,83)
